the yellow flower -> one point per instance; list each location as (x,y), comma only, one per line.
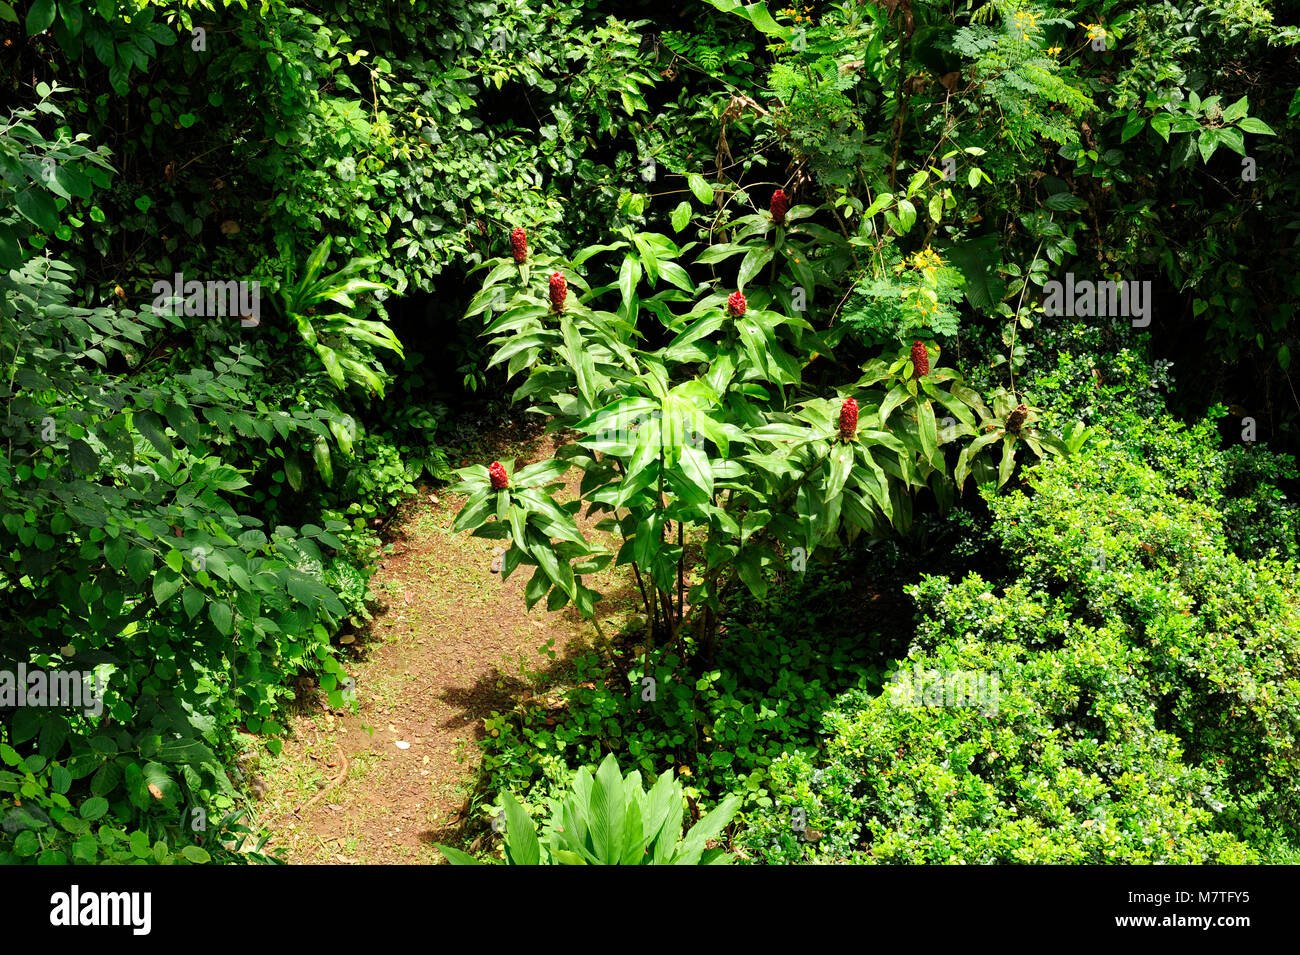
(926,260)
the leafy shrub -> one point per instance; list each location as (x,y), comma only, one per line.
(608,819)
(788,654)
(1149,705)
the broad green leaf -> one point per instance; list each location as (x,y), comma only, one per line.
(629,275)
(1134,123)
(1253,125)
(881,201)
(38,206)
(522,847)
(928,433)
(1207,143)
(681,216)
(752,264)
(1008,462)
(1236,111)
(457,857)
(166,583)
(695,465)
(906,216)
(39,16)
(221,616)
(139,564)
(703,191)
(192,599)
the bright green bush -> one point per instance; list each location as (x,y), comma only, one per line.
(1148,705)
(609,819)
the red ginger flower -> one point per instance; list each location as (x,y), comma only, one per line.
(559,290)
(780,205)
(736,305)
(920,359)
(498,475)
(519,242)
(848,419)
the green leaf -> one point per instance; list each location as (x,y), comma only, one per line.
(38,206)
(607,812)
(565,857)
(719,252)
(293,471)
(877,204)
(94,808)
(681,216)
(1008,462)
(10,256)
(752,264)
(928,433)
(1252,125)
(166,583)
(320,454)
(629,275)
(151,427)
(841,465)
(139,564)
(1236,111)
(39,16)
(222,617)
(456,857)
(315,262)
(192,599)
(115,552)
(978,261)
(710,827)
(1207,143)
(906,216)
(695,465)
(1232,137)
(196,854)
(522,847)
(1134,123)
(703,191)
(106,778)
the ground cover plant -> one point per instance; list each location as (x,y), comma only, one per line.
(882,416)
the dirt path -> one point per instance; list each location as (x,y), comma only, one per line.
(450,643)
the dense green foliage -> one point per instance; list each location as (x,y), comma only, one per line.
(608,819)
(1149,700)
(194,478)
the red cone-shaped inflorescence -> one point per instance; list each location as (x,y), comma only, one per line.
(498,475)
(1017,418)
(736,305)
(848,419)
(519,243)
(559,291)
(920,359)
(779,207)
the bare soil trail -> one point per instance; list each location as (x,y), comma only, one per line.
(450,643)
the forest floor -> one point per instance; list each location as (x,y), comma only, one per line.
(450,643)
